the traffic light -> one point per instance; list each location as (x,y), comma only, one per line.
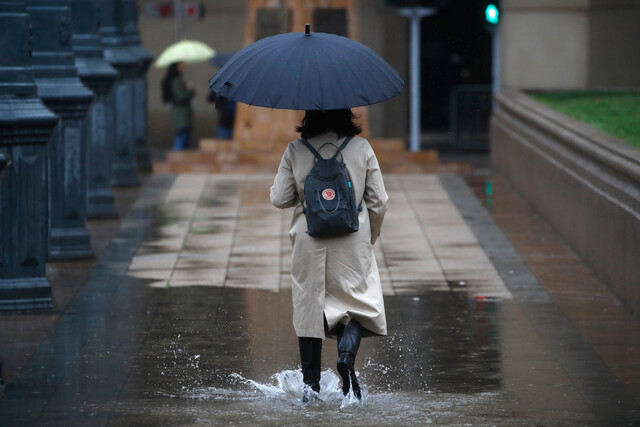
(492,14)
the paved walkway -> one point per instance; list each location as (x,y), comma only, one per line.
(186,319)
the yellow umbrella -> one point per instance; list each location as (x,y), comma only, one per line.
(185,51)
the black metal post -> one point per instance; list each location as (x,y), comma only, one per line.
(130,29)
(119,55)
(25,129)
(61,90)
(98,75)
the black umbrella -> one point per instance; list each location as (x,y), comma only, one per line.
(307,71)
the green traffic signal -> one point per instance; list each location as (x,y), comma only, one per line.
(492,14)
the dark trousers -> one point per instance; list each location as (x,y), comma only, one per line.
(311,351)
(311,359)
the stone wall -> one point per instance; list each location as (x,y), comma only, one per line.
(584,182)
(566,44)
(545,43)
(614,43)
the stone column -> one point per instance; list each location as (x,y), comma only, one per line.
(140,108)
(62,91)
(120,56)
(25,129)
(99,76)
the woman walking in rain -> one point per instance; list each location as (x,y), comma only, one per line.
(178,93)
(336,284)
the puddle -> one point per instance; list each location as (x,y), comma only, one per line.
(247,401)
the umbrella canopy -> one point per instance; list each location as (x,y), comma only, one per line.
(185,51)
(307,71)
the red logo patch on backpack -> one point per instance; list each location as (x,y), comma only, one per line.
(328,194)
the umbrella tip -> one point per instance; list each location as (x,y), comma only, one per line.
(307,29)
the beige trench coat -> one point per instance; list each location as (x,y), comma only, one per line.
(338,276)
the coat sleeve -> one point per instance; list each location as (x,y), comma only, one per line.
(283,191)
(375,196)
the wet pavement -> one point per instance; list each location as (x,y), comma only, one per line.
(185,319)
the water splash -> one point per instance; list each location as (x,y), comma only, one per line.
(240,399)
(284,387)
(289,385)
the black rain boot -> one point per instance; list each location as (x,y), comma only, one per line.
(348,344)
(310,359)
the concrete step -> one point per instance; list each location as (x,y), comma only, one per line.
(218,145)
(260,158)
(217,155)
(185,168)
(247,168)
(391,167)
(192,156)
(387,144)
(424,157)
(420,157)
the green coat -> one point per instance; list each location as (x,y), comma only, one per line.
(181,115)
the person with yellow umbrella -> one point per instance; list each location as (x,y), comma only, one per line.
(177,92)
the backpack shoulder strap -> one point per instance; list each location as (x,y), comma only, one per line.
(310,147)
(344,144)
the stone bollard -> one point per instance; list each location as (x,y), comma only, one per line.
(120,56)
(4,162)
(62,91)
(99,76)
(140,109)
(25,129)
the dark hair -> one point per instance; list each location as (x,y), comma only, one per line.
(316,122)
(172,72)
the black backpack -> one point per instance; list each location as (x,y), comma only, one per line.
(330,202)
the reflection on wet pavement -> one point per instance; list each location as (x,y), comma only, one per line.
(196,328)
(222,231)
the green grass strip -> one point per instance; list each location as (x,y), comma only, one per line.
(617,113)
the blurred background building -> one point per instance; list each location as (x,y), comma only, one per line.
(543,44)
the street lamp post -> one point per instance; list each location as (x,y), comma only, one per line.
(415,14)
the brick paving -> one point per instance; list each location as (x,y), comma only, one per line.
(194,288)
